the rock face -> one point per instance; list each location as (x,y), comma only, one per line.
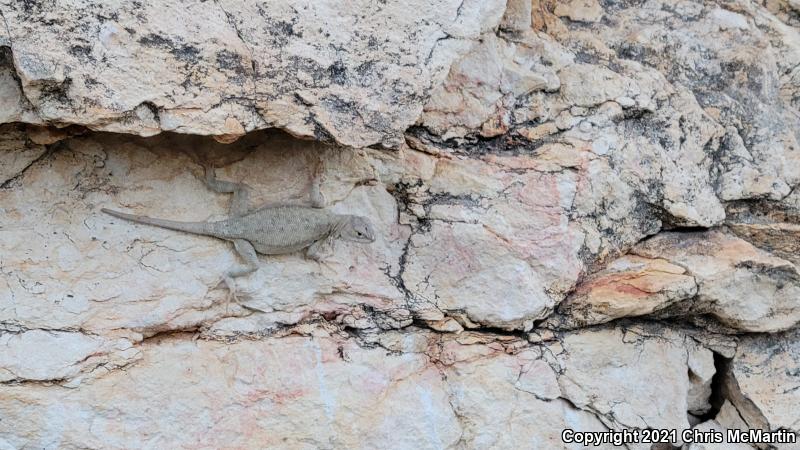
(587,218)
(630,286)
(766,398)
(693,273)
(223,68)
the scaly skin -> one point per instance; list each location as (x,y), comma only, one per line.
(270,230)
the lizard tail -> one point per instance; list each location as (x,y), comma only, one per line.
(190,227)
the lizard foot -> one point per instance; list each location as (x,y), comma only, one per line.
(231,286)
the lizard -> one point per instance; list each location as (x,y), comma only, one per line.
(269,229)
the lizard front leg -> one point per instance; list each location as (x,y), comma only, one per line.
(320,249)
(248,253)
(240,203)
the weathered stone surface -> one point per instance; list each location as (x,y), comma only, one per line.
(478,269)
(729,417)
(358,74)
(16,152)
(690,274)
(502,224)
(740,64)
(701,373)
(579,10)
(328,390)
(39,355)
(483,85)
(602,368)
(763,382)
(298,392)
(742,286)
(54,272)
(630,286)
(587,217)
(772,226)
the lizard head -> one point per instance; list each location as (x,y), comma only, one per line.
(356,229)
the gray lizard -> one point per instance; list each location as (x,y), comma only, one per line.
(269,230)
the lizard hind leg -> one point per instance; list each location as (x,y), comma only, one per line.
(317,198)
(240,203)
(248,253)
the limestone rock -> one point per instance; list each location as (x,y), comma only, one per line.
(630,286)
(766,397)
(355,74)
(701,373)
(742,286)
(729,417)
(581,104)
(16,152)
(39,355)
(735,58)
(158,280)
(528,383)
(483,85)
(327,389)
(602,367)
(586,211)
(580,10)
(479,268)
(16,107)
(517,16)
(690,274)
(252,396)
(782,239)
(773,226)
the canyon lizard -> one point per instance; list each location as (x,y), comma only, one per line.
(269,230)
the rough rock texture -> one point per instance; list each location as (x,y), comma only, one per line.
(587,217)
(317,69)
(332,390)
(628,287)
(694,274)
(763,381)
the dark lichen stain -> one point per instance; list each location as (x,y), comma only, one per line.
(372,43)
(30,5)
(286,28)
(90,82)
(231,61)
(781,275)
(618,5)
(586,57)
(55,91)
(279,30)
(155,40)
(185,52)
(338,73)
(346,107)
(320,133)
(476,146)
(82,52)
(635,52)
(367,74)
(320,76)
(181,51)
